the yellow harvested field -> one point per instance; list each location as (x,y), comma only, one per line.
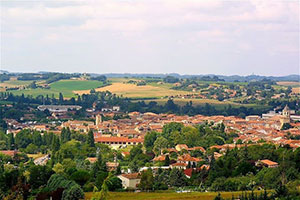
(296,90)
(134,91)
(288,83)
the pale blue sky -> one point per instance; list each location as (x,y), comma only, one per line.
(151,36)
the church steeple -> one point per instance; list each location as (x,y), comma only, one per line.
(286,111)
(98,119)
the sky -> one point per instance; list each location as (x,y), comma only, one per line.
(151,36)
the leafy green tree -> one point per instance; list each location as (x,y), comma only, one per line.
(171,127)
(71,149)
(177,178)
(3,144)
(159,144)
(91,140)
(73,193)
(167,160)
(61,98)
(31,148)
(135,151)
(170,79)
(149,140)
(147,180)
(191,136)
(59,181)
(11,141)
(58,168)
(55,144)
(81,177)
(39,175)
(103,194)
(114,183)
(69,165)
(99,165)
(65,135)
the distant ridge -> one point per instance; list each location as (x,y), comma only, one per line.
(230,78)
(292,77)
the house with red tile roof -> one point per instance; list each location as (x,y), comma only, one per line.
(179,165)
(117,141)
(125,153)
(91,159)
(189,171)
(266,163)
(130,181)
(187,158)
(159,158)
(112,166)
(10,153)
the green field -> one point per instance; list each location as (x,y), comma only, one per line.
(217,104)
(120,87)
(64,86)
(13,83)
(167,195)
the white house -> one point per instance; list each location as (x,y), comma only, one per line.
(130,180)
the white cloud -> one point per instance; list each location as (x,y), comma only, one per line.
(158,25)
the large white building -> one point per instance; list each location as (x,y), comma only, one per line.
(58,108)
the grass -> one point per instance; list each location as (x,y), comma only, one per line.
(13,83)
(196,102)
(168,195)
(66,87)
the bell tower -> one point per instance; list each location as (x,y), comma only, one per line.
(98,119)
(286,112)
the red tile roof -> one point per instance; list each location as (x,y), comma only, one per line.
(159,158)
(179,164)
(9,152)
(118,139)
(268,162)
(91,159)
(187,157)
(132,175)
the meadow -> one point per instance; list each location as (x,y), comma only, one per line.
(66,87)
(134,91)
(153,91)
(217,104)
(168,195)
(13,83)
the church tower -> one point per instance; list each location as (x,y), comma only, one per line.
(98,119)
(285,119)
(286,112)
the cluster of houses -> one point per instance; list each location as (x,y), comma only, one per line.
(131,131)
(184,161)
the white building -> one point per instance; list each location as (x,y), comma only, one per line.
(130,180)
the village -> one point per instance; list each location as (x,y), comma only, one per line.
(282,128)
(130,131)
